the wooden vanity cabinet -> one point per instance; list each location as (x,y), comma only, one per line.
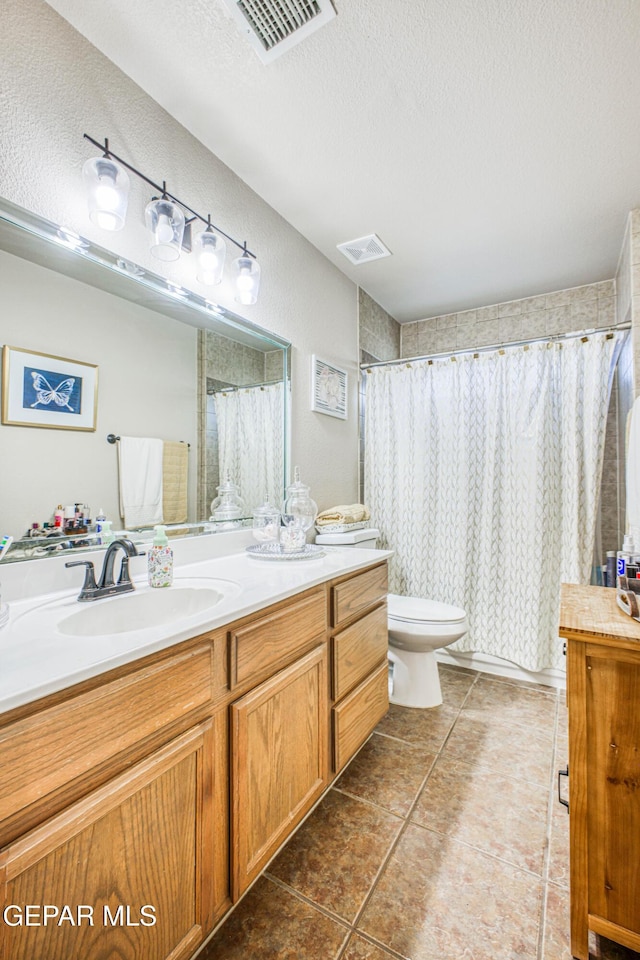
(164,787)
(603,699)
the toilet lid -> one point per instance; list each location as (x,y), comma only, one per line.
(425,611)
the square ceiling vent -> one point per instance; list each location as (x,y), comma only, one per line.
(274,26)
(364,249)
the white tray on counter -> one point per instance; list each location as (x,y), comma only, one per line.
(274,551)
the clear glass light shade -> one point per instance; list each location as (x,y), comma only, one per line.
(166,221)
(107,185)
(210,250)
(247,280)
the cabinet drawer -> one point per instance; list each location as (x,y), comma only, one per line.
(357,649)
(352,596)
(356,716)
(262,646)
(41,753)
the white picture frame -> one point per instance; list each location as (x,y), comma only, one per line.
(328,388)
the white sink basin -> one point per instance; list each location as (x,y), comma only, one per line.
(147,608)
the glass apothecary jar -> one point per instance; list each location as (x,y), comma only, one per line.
(228,505)
(298,503)
(299,512)
(266,523)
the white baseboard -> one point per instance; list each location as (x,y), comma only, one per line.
(485,663)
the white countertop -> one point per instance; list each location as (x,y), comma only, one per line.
(37,659)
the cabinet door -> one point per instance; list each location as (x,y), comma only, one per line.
(128,868)
(279,761)
(613,794)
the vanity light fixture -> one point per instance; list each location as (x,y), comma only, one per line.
(107,184)
(169,221)
(166,221)
(247,279)
(210,250)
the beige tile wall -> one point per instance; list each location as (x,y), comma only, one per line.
(378,332)
(579,308)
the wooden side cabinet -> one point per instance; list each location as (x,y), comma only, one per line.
(279,747)
(603,698)
(128,867)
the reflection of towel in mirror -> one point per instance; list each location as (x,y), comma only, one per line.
(140,461)
(633,473)
(345,513)
(175,468)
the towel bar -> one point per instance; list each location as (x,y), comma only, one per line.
(112,438)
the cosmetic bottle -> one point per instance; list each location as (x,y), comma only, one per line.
(611,569)
(160,560)
(624,555)
(58,517)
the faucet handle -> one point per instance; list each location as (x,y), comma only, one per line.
(125,576)
(89,586)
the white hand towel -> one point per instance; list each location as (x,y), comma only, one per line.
(633,474)
(140,460)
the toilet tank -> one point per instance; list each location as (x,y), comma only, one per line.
(365,539)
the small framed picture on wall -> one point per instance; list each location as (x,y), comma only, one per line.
(40,390)
(328,388)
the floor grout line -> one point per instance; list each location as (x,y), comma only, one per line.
(407,819)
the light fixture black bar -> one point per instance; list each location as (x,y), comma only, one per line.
(165,193)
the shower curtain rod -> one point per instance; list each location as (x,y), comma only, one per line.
(554,338)
(248,386)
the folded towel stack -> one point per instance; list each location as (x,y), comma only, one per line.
(344,514)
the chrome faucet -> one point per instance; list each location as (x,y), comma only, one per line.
(105,587)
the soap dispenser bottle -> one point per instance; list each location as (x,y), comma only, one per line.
(160,560)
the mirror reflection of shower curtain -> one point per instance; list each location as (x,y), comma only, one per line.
(483,476)
(250,441)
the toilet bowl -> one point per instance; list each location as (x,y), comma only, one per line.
(417,628)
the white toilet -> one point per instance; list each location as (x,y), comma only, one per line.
(417,628)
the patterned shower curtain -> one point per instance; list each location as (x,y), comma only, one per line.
(250,441)
(483,475)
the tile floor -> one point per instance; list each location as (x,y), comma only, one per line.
(442,840)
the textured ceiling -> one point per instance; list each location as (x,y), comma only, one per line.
(492,145)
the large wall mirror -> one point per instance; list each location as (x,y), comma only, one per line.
(169,365)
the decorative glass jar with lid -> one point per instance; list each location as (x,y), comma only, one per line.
(266,523)
(299,512)
(228,506)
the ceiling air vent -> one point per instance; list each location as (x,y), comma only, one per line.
(364,249)
(274,26)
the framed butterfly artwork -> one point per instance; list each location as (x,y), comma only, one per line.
(40,390)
